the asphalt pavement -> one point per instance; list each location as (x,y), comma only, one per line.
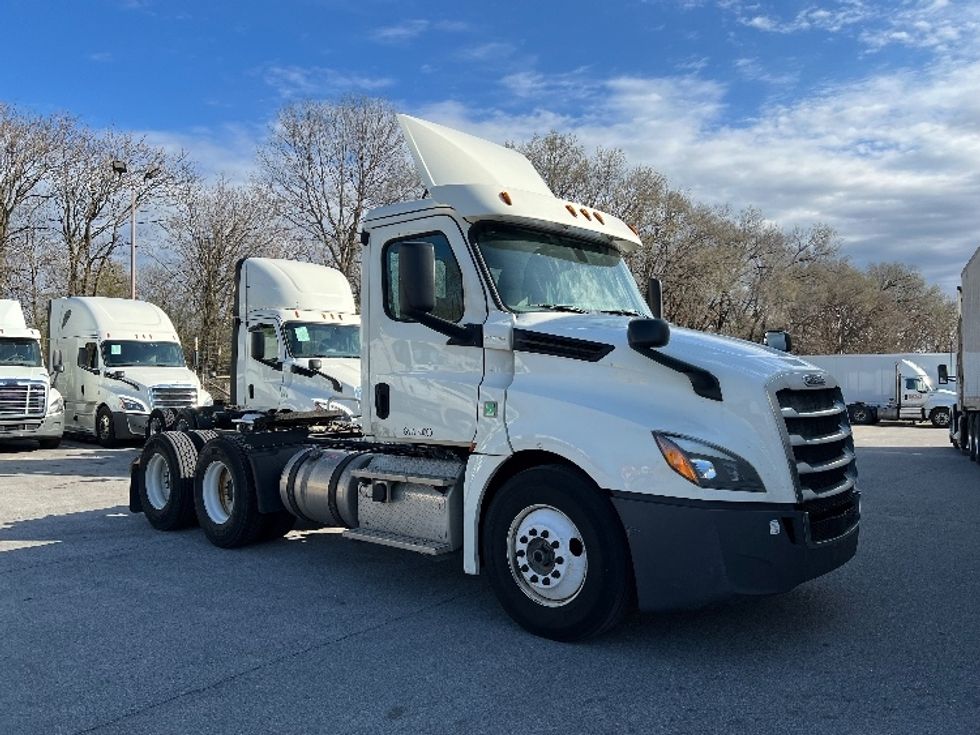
(107,626)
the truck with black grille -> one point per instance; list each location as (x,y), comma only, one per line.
(525,408)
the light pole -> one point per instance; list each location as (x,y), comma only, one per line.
(120,168)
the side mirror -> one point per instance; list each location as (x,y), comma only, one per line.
(256,345)
(778,340)
(943,375)
(59,368)
(655,298)
(417,277)
(316,363)
(648,333)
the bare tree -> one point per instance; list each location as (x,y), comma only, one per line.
(327,164)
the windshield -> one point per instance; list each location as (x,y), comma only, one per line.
(315,339)
(24,352)
(124,353)
(537,271)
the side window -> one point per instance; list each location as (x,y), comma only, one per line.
(88,356)
(910,384)
(265,343)
(449,279)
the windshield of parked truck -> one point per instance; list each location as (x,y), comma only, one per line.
(316,339)
(131,353)
(539,271)
(24,352)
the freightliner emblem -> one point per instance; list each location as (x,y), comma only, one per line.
(814,379)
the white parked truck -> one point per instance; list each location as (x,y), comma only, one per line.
(524,405)
(116,361)
(29,407)
(965,426)
(296,338)
(891,387)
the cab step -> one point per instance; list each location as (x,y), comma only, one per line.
(398,541)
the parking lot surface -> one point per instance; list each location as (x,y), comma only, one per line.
(107,626)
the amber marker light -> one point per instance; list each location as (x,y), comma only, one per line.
(586,214)
(571,210)
(676,459)
(506,198)
(598,218)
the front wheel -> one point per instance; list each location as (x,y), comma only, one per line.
(556,554)
(105,428)
(940,417)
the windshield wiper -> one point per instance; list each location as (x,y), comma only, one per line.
(560,307)
(620,312)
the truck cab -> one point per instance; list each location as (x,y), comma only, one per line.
(117,361)
(917,398)
(29,407)
(297,338)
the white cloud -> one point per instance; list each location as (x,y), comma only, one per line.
(298,81)
(892,162)
(227,149)
(409,30)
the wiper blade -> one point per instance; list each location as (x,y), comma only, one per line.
(620,312)
(560,307)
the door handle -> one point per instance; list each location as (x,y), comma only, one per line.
(382,400)
(251,390)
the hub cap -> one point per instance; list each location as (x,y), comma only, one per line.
(218,492)
(547,557)
(157,481)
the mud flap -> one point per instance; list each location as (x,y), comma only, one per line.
(134,489)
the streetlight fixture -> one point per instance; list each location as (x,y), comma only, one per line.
(120,168)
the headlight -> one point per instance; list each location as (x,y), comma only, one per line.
(131,404)
(707,465)
(204,398)
(56,406)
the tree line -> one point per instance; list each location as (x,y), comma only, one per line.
(66,192)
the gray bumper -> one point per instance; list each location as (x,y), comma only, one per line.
(688,554)
(49,427)
(129,425)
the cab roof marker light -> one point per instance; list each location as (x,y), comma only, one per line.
(676,459)
(585,213)
(505,197)
(598,217)
(571,210)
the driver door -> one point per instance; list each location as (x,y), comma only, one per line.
(264,375)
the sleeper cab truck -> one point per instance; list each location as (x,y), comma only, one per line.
(29,407)
(965,426)
(523,405)
(296,343)
(117,361)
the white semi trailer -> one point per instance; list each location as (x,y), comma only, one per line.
(525,406)
(891,387)
(29,407)
(117,361)
(965,427)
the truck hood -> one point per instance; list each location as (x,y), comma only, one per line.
(19,372)
(148,377)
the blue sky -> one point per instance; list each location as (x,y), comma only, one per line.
(858,113)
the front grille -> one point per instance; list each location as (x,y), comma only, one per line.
(13,428)
(23,398)
(832,517)
(820,438)
(173,396)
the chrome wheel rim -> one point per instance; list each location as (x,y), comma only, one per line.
(105,423)
(157,481)
(218,491)
(547,555)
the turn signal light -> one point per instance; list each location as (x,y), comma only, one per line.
(678,462)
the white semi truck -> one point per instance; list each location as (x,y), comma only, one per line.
(116,361)
(524,405)
(965,426)
(29,407)
(891,387)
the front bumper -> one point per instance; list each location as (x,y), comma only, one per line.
(49,427)
(688,554)
(130,425)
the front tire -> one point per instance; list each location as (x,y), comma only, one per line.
(556,554)
(860,414)
(225,496)
(105,428)
(166,481)
(940,417)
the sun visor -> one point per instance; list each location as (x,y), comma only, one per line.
(445,157)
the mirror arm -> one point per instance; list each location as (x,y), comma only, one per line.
(466,335)
(705,383)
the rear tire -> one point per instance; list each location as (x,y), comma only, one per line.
(200,437)
(155,424)
(105,428)
(577,581)
(971,420)
(860,414)
(964,440)
(166,481)
(224,494)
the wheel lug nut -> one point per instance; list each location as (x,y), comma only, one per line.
(523,539)
(556,574)
(520,552)
(533,532)
(534,579)
(546,581)
(544,534)
(560,560)
(524,567)
(555,544)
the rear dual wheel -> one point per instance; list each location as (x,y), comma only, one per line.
(166,481)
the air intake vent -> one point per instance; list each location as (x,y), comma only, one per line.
(551,344)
